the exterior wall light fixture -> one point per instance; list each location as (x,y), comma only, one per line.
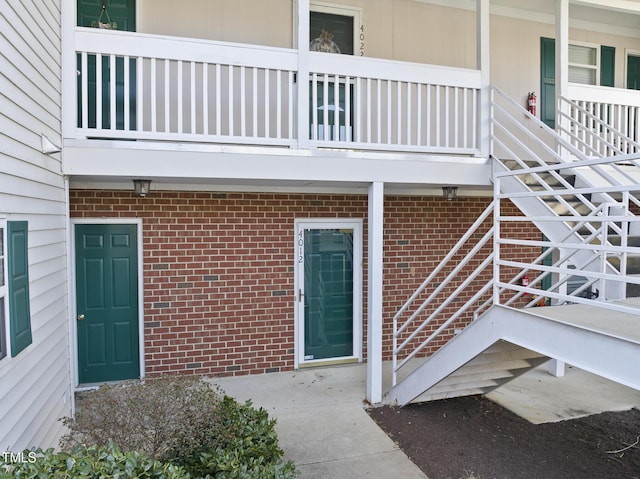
(142,187)
(450,193)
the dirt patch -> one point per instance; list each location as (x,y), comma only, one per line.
(475,437)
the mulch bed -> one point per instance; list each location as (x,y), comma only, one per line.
(474,437)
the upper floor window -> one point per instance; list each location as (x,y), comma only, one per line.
(336,29)
(583,64)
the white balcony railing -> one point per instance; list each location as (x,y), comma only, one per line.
(601,121)
(151,87)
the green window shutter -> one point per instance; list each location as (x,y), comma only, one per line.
(547,101)
(18,284)
(607,65)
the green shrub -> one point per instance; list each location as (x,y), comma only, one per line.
(185,422)
(155,417)
(88,462)
(248,448)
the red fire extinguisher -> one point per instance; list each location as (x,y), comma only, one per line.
(531,103)
(525,282)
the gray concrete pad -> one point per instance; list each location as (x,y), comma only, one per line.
(322,423)
(325,430)
(540,397)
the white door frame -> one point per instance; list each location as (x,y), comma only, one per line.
(72,288)
(327,223)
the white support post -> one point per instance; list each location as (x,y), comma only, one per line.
(302,79)
(374,293)
(556,368)
(69,72)
(484,64)
(562,62)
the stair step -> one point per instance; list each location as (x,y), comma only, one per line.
(503,351)
(632,240)
(561,210)
(492,366)
(428,396)
(549,180)
(633,263)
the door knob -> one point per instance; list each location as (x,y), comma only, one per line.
(80,317)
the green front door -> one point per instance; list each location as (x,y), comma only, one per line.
(107,302)
(122,14)
(329,291)
(633,72)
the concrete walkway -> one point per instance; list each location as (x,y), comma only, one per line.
(322,423)
(324,429)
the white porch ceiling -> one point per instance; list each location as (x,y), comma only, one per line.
(622,16)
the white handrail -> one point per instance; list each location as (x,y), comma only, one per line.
(570,253)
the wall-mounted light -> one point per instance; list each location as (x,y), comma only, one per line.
(450,193)
(142,187)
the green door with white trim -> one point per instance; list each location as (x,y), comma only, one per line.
(122,17)
(107,302)
(329,292)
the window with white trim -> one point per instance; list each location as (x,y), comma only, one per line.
(343,22)
(584,64)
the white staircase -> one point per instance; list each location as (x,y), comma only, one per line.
(505,342)
(481,307)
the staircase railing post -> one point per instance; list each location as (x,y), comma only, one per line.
(496,236)
(624,239)
(394,354)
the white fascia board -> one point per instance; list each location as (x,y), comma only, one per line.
(275,165)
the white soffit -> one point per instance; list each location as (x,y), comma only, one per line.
(618,17)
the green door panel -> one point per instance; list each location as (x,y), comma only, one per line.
(122,13)
(107,302)
(344,133)
(328,300)
(633,72)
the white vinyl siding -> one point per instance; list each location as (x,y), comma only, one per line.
(35,386)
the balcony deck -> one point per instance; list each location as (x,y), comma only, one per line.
(237,111)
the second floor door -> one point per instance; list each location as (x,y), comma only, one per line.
(115,15)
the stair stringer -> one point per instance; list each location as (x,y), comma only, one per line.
(606,355)
(556,231)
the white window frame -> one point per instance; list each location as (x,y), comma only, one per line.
(345,11)
(595,68)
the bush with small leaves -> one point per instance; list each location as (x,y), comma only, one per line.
(183,421)
(248,448)
(155,417)
(87,462)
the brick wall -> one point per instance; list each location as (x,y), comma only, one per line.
(218,268)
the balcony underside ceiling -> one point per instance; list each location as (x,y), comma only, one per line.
(190,167)
(622,15)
